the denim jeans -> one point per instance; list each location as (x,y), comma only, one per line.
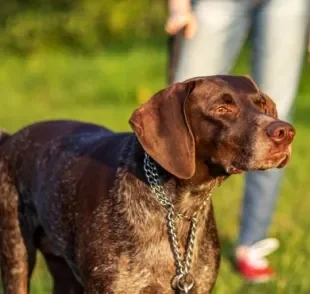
(279,36)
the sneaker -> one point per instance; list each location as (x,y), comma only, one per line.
(253,266)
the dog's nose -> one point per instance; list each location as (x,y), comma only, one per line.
(281,132)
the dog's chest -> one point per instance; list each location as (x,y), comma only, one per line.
(151,271)
(150,267)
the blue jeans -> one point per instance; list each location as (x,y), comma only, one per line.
(279,39)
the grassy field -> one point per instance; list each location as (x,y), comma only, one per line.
(105,89)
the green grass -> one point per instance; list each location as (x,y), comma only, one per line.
(105,89)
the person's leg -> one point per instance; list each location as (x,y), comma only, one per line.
(280,36)
(222,29)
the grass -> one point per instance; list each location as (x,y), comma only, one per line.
(105,89)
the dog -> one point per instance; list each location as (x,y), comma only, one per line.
(132,212)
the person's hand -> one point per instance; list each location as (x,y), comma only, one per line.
(182,20)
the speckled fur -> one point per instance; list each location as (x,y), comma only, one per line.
(78,193)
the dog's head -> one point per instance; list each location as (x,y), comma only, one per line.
(222,121)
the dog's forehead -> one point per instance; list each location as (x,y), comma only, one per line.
(237,84)
(242,84)
(207,89)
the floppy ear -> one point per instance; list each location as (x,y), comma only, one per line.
(163,131)
(270,105)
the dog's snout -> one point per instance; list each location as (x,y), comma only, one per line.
(281,132)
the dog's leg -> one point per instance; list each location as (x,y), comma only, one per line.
(64,279)
(31,249)
(13,254)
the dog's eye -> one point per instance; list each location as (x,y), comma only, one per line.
(261,103)
(262,106)
(222,109)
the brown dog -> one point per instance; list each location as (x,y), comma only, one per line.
(83,198)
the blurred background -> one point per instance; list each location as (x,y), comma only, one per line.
(97,61)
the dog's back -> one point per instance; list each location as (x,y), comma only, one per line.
(18,165)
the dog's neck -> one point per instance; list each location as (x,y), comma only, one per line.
(187,195)
(192,193)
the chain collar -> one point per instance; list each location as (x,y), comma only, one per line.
(183,279)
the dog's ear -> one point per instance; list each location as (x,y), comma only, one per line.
(163,130)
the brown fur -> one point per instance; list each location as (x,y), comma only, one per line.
(78,192)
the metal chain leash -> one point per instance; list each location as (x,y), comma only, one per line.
(183,279)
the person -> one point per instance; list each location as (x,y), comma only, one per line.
(213,33)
